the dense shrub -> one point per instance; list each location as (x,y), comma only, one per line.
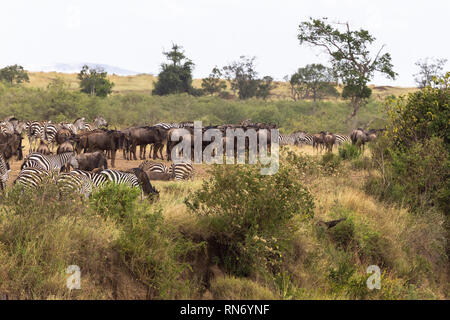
(349,151)
(250,216)
(417,176)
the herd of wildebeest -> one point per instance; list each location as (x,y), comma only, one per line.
(86,147)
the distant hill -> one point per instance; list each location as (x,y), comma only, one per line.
(76,67)
(143,83)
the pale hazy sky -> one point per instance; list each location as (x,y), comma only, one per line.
(132,34)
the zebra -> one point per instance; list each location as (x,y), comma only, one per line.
(69,183)
(31,178)
(342,138)
(135,177)
(99,121)
(182,171)
(50,162)
(168,126)
(33,129)
(306,138)
(154,166)
(4,171)
(48,133)
(291,139)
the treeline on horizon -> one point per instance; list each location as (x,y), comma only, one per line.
(58,103)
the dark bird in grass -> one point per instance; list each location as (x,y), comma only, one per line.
(331,224)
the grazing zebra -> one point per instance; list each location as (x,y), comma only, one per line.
(342,138)
(98,122)
(291,139)
(135,177)
(33,129)
(69,183)
(31,178)
(287,139)
(50,162)
(306,138)
(154,166)
(182,171)
(4,170)
(168,126)
(48,133)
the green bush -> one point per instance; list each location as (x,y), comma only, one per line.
(157,254)
(417,176)
(115,200)
(331,164)
(348,151)
(249,216)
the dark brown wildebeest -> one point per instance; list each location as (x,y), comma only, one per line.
(318,140)
(141,136)
(62,135)
(110,140)
(91,161)
(43,148)
(66,146)
(183,133)
(161,176)
(329,140)
(360,137)
(15,141)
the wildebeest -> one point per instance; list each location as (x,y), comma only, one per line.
(43,148)
(15,141)
(329,139)
(318,140)
(110,140)
(142,136)
(66,146)
(91,161)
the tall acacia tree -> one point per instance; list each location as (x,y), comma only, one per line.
(350,57)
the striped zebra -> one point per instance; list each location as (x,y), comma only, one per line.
(33,130)
(306,138)
(31,178)
(4,172)
(135,177)
(69,183)
(342,138)
(50,162)
(99,121)
(291,139)
(154,166)
(168,126)
(182,171)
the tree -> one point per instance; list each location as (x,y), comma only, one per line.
(265,85)
(242,77)
(314,81)
(94,81)
(428,70)
(14,74)
(176,76)
(350,57)
(213,84)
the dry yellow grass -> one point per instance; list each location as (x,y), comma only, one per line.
(143,83)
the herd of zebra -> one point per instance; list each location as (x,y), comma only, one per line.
(327,140)
(99,143)
(38,168)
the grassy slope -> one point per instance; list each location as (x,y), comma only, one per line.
(144,83)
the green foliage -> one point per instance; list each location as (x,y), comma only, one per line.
(315,81)
(156,253)
(94,81)
(213,84)
(115,200)
(424,114)
(231,288)
(250,216)
(265,85)
(350,56)
(417,176)
(14,74)
(348,151)
(176,76)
